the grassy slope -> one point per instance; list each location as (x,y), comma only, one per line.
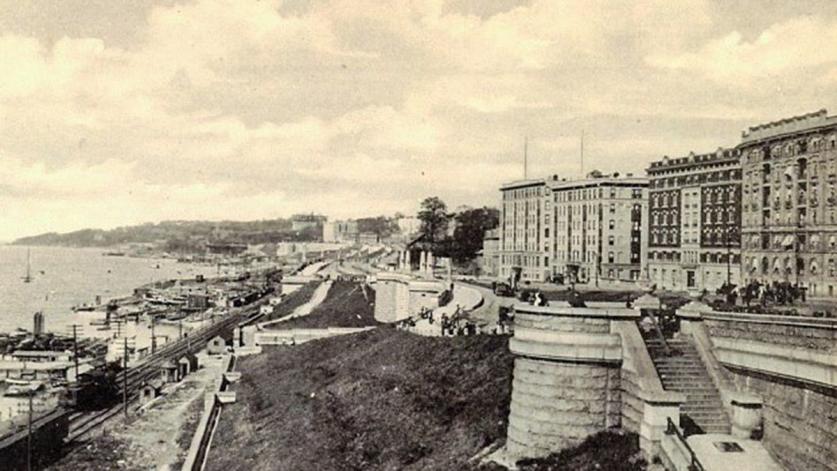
(345,306)
(382,399)
(293,301)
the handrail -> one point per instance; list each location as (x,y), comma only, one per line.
(671,429)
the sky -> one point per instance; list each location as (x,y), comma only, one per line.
(117,113)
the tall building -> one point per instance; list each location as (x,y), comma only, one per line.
(694,220)
(522,252)
(790,202)
(490,254)
(585,231)
(596,228)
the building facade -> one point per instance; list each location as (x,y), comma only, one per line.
(340,231)
(594,229)
(790,202)
(585,231)
(694,236)
(490,256)
(522,224)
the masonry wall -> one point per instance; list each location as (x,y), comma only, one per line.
(566,383)
(800,416)
(555,405)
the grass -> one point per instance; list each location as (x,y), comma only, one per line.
(292,301)
(382,399)
(607,450)
(344,306)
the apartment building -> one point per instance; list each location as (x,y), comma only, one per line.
(694,221)
(522,227)
(789,221)
(596,226)
(585,231)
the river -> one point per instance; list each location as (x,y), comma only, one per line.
(65,277)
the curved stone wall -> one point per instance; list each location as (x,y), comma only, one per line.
(566,382)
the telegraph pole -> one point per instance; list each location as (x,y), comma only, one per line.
(75,348)
(125,381)
(153,337)
(29,435)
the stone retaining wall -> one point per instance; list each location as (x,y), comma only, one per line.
(791,364)
(566,382)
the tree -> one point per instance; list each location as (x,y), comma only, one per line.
(434,219)
(469,233)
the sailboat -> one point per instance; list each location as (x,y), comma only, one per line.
(28,277)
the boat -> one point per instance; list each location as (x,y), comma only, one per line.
(28,277)
(84,308)
(114,254)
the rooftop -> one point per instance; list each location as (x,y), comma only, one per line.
(617,179)
(790,125)
(522,183)
(720,155)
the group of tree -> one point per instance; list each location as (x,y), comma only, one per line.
(464,241)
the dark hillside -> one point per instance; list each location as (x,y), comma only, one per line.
(382,399)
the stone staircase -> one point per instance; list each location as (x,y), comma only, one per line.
(683,371)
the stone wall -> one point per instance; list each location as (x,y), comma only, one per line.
(789,362)
(399,296)
(566,382)
(555,405)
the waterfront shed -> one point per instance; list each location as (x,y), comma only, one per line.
(216,346)
(150,390)
(187,364)
(169,372)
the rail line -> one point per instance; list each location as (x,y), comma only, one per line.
(82,423)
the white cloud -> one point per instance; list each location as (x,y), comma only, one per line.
(783,48)
(246,108)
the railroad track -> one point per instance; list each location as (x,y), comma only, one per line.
(83,422)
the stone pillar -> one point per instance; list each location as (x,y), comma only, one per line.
(690,315)
(657,409)
(566,382)
(408,263)
(431,261)
(422,262)
(746,416)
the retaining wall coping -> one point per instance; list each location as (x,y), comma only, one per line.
(745,399)
(608,349)
(662,398)
(562,311)
(794,321)
(794,363)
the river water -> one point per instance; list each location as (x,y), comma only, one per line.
(66,277)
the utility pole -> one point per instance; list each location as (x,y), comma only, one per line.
(582,154)
(153,337)
(29,435)
(75,348)
(125,380)
(525,157)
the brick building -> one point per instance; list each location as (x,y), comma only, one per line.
(694,221)
(790,202)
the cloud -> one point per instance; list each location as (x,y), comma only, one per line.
(783,48)
(249,109)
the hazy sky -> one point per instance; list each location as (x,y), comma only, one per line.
(118,112)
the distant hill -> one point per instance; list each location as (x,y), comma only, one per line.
(179,235)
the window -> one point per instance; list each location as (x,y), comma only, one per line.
(612,208)
(611,224)
(610,257)
(610,240)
